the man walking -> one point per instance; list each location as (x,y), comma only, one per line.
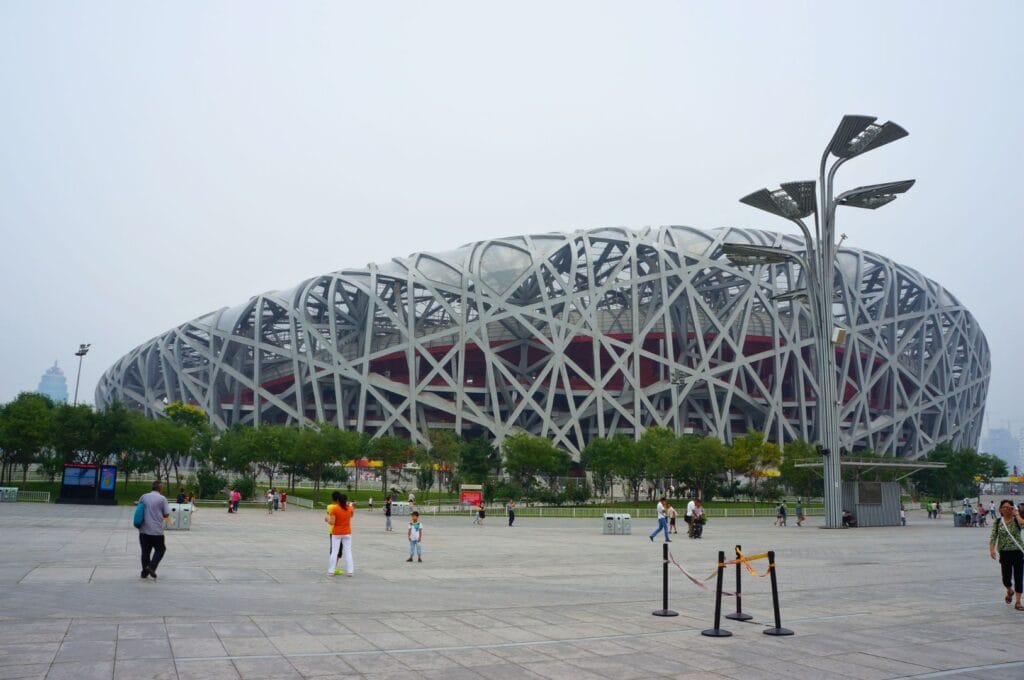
(151,533)
(662,522)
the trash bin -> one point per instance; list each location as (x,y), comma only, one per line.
(184,517)
(627,524)
(958,519)
(609,524)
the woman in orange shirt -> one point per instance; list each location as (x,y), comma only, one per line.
(339,517)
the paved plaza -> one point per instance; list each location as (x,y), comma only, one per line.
(247,596)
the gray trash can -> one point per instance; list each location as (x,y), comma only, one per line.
(958,520)
(627,524)
(185,517)
(609,523)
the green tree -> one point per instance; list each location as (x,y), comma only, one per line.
(196,422)
(630,463)
(73,431)
(113,432)
(702,463)
(598,458)
(527,456)
(659,448)
(752,455)
(445,450)
(475,460)
(24,432)
(802,481)
(390,451)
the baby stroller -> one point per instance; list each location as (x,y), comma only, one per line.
(698,526)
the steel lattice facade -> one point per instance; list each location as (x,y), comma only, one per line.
(577,336)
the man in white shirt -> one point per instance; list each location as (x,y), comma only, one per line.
(662,522)
(689,517)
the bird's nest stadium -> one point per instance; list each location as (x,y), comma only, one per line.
(580,335)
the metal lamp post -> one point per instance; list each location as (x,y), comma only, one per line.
(796,201)
(83,349)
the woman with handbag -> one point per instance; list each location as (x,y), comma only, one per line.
(1006,539)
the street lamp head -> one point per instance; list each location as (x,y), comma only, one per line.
(83,349)
(874,196)
(793,201)
(745,254)
(860,134)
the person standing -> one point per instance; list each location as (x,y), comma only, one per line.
(236,498)
(151,533)
(369,504)
(387,514)
(415,535)
(1006,539)
(698,519)
(782,514)
(688,517)
(662,521)
(284,501)
(270,501)
(340,520)
(481,513)
(510,509)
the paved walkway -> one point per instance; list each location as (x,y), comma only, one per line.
(246,596)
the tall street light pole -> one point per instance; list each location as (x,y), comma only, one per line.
(83,349)
(796,201)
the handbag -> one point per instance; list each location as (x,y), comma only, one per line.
(140,515)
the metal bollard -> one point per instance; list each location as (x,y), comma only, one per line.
(738,615)
(717,631)
(778,629)
(664,611)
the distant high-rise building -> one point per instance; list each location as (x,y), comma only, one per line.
(54,385)
(1000,442)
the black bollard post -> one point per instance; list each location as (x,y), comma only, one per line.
(664,611)
(778,629)
(718,631)
(738,615)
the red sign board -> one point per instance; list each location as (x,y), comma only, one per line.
(471,497)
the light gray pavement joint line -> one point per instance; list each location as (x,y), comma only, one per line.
(501,645)
(966,669)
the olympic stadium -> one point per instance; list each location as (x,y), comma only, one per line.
(574,336)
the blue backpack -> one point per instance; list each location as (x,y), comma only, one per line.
(140,514)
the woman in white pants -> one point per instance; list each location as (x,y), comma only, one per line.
(339,517)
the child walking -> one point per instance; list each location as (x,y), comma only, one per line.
(415,537)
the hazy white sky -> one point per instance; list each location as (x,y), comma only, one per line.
(161,160)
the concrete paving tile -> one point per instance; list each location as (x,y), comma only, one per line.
(511,634)
(322,667)
(86,651)
(35,671)
(378,664)
(426,660)
(206,669)
(247,646)
(184,648)
(505,672)
(237,629)
(12,632)
(386,641)
(190,630)
(451,674)
(270,669)
(472,657)
(323,625)
(244,574)
(437,638)
(279,626)
(82,670)
(145,669)
(609,667)
(561,670)
(28,653)
(297,644)
(83,630)
(59,575)
(141,631)
(521,653)
(146,648)
(346,643)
